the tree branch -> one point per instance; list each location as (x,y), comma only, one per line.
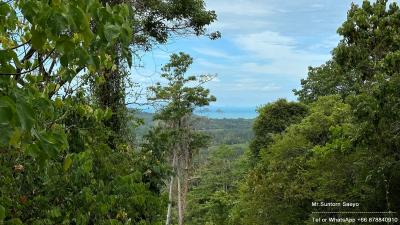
(20,45)
(62,82)
(28,71)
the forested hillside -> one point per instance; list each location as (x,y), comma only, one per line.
(72,152)
(223,131)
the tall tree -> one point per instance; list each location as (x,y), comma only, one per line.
(153,22)
(181,95)
(274,118)
(369,37)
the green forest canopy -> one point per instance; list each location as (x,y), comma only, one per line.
(68,156)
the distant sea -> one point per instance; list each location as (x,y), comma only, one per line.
(220,112)
(228,112)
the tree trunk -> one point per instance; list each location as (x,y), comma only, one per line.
(184,169)
(171,183)
(185,177)
(180,205)
(168,221)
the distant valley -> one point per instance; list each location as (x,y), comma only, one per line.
(223,131)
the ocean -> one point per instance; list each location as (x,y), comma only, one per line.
(219,112)
(231,112)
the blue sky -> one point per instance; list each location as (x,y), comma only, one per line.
(265,50)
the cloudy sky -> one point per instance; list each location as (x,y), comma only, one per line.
(265,49)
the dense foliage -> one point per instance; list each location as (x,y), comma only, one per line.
(215,185)
(345,149)
(301,165)
(60,160)
(273,119)
(56,165)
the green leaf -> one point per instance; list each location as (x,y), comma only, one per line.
(38,39)
(7,108)
(55,213)
(64,60)
(79,18)
(58,103)
(111,32)
(107,114)
(56,2)
(57,23)
(14,221)
(82,55)
(25,115)
(4,9)
(108,8)
(64,44)
(37,153)
(5,115)
(6,132)
(33,150)
(2,213)
(67,162)
(127,54)
(15,138)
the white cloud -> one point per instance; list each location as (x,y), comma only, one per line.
(209,65)
(271,87)
(240,15)
(240,7)
(253,84)
(162,55)
(317,5)
(266,46)
(277,54)
(213,53)
(329,43)
(242,25)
